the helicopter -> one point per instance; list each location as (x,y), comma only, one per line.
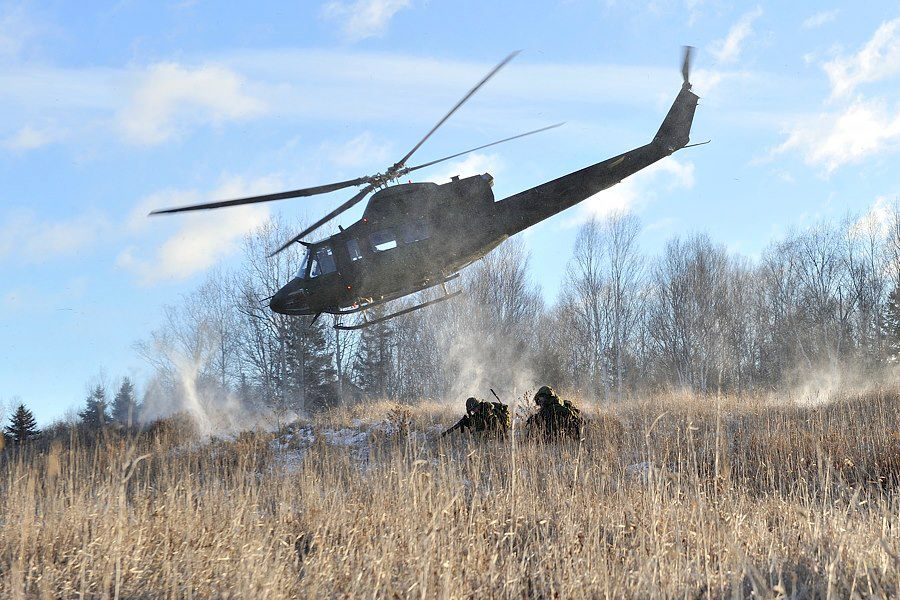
(415,236)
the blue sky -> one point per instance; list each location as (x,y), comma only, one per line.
(109,109)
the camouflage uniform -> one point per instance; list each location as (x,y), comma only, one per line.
(483,416)
(555,418)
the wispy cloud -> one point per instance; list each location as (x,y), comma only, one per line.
(729,49)
(170,98)
(853,126)
(474,164)
(31,138)
(193,242)
(820,18)
(202,239)
(364,18)
(360,152)
(878,59)
(836,138)
(164,101)
(26,237)
(879,219)
(17,28)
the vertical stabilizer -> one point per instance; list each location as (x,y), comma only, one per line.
(675,131)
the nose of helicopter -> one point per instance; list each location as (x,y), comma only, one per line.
(290,300)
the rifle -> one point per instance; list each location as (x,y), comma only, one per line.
(496,396)
(464,422)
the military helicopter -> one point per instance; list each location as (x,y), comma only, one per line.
(414,236)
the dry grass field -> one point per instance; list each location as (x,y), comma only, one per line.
(669,497)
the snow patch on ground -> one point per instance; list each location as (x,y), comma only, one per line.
(292,445)
(346,437)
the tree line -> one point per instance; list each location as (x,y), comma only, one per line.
(695,317)
(122,411)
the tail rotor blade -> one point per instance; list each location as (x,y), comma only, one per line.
(345,206)
(515,137)
(686,64)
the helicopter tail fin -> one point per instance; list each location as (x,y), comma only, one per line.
(675,131)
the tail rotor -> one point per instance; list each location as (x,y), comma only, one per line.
(686,66)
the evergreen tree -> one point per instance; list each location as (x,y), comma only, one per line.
(374,357)
(891,327)
(22,426)
(308,365)
(124,406)
(95,413)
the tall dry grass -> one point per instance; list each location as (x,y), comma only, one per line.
(668,497)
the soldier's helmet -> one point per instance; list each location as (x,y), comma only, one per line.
(471,404)
(544,393)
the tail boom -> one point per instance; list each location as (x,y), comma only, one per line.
(522,210)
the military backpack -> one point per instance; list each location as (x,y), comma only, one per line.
(501,412)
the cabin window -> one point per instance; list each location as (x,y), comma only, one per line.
(415,231)
(383,240)
(353,249)
(323,263)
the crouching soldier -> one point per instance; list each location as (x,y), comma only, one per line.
(555,418)
(481,416)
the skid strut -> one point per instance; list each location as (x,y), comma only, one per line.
(367,323)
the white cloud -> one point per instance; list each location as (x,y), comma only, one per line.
(364,18)
(139,221)
(203,238)
(693,7)
(25,237)
(150,104)
(163,101)
(31,138)
(729,49)
(360,152)
(17,28)
(853,127)
(879,219)
(833,139)
(878,59)
(170,98)
(473,164)
(820,18)
(635,191)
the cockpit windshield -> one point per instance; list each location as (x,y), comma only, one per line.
(301,274)
(320,261)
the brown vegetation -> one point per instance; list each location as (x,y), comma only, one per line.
(668,497)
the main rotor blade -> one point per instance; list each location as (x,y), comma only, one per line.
(310,191)
(515,137)
(346,205)
(478,85)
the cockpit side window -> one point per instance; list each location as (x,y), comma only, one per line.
(383,240)
(323,263)
(353,249)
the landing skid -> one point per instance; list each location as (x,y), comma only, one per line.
(373,303)
(399,313)
(366,323)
